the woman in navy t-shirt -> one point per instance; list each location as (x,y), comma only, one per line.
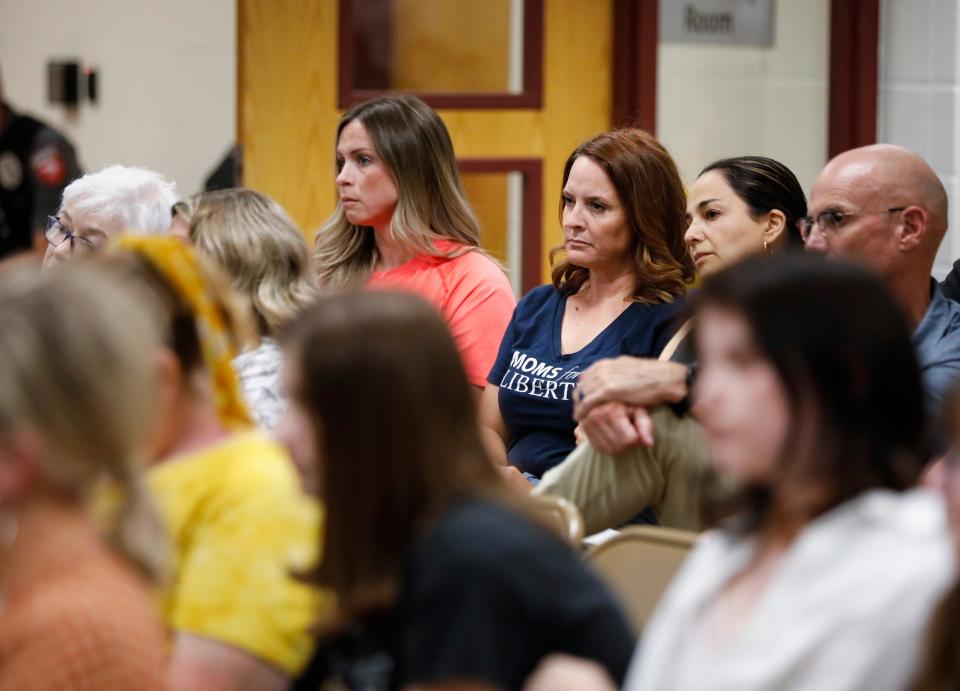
(614,292)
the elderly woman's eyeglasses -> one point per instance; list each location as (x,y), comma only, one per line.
(831,221)
(57,234)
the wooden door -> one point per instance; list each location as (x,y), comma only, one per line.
(288,107)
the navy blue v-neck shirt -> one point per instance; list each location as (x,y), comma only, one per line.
(536,379)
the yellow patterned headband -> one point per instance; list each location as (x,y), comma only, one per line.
(177,263)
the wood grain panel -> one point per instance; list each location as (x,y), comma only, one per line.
(287,111)
(349,92)
(487,193)
(531,170)
(478,59)
(578,95)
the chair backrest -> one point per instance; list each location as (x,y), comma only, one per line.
(560,516)
(638,564)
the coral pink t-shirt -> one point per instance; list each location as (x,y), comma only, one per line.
(470,291)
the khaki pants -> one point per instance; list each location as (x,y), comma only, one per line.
(609,490)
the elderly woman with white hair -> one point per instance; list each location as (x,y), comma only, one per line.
(99,206)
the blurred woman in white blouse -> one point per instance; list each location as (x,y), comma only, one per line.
(825,569)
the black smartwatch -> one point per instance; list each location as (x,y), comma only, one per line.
(682,407)
(692,371)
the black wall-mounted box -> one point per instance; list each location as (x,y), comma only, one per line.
(63,82)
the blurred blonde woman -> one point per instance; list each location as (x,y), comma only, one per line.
(403,223)
(230,496)
(75,398)
(258,245)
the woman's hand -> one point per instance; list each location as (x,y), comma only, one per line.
(614,427)
(636,381)
(579,436)
(515,479)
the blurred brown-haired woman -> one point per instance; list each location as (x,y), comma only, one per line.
(615,283)
(437,579)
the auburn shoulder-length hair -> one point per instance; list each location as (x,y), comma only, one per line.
(654,203)
(414,145)
(395,431)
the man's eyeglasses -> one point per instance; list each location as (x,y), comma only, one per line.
(830,222)
(57,234)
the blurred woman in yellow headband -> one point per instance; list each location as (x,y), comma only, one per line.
(239,523)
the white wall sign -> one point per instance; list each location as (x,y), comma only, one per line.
(739,22)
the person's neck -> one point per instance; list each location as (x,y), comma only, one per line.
(912,293)
(197,425)
(46,529)
(795,505)
(603,286)
(390,253)
(781,530)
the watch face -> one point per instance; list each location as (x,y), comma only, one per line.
(691,377)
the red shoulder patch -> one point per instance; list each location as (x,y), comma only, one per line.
(48,166)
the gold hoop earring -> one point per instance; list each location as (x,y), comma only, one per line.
(766,248)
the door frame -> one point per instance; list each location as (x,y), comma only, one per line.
(854,60)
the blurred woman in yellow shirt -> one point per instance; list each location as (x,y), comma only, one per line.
(240,525)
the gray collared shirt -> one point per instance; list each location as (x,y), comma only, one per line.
(937,342)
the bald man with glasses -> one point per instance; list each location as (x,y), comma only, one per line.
(884,207)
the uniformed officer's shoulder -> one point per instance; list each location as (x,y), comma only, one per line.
(52,158)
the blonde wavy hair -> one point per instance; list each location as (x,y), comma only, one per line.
(73,368)
(259,246)
(414,145)
(187,207)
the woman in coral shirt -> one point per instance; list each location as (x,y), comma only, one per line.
(403,223)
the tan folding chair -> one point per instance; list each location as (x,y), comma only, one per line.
(638,564)
(559,516)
